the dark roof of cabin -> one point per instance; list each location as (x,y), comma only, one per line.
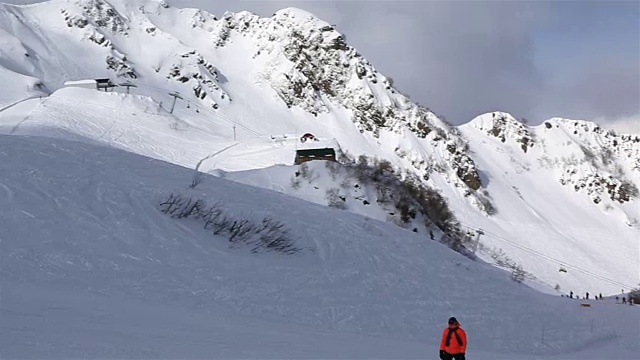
(316,152)
(105,82)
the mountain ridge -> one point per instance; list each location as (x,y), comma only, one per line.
(294,73)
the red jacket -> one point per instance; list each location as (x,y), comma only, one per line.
(454,346)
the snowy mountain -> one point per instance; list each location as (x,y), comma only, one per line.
(94,264)
(232,94)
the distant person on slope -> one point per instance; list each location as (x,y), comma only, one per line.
(454,342)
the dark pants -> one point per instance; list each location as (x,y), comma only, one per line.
(448,356)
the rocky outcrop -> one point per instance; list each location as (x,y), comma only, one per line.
(320,67)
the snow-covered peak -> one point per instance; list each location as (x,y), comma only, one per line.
(305,20)
(590,134)
(488,119)
(563,121)
(504,127)
(297,14)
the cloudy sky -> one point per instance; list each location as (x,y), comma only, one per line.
(539,59)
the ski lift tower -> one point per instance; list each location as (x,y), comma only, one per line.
(128,84)
(475,245)
(176,96)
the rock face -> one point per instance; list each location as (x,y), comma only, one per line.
(605,166)
(600,164)
(310,66)
(325,68)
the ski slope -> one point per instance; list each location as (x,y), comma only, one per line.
(597,250)
(91,269)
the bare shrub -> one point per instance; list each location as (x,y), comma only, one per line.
(518,274)
(458,241)
(395,219)
(196,179)
(344,157)
(295,182)
(486,204)
(240,230)
(408,194)
(179,207)
(335,199)
(362,169)
(406,208)
(433,205)
(333,168)
(381,168)
(222,224)
(171,205)
(634,295)
(306,173)
(274,235)
(383,194)
(269,234)
(214,218)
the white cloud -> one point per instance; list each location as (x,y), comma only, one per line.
(625,125)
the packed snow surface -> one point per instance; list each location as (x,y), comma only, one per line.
(92,269)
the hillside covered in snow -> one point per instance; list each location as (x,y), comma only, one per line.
(230,94)
(96,264)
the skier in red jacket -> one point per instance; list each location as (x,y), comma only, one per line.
(454,342)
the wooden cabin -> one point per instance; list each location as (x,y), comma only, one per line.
(304,155)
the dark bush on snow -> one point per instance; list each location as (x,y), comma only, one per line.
(634,296)
(335,199)
(410,196)
(268,234)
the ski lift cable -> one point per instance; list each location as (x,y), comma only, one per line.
(551,258)
(233,122)
(253,132)
(562,263)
